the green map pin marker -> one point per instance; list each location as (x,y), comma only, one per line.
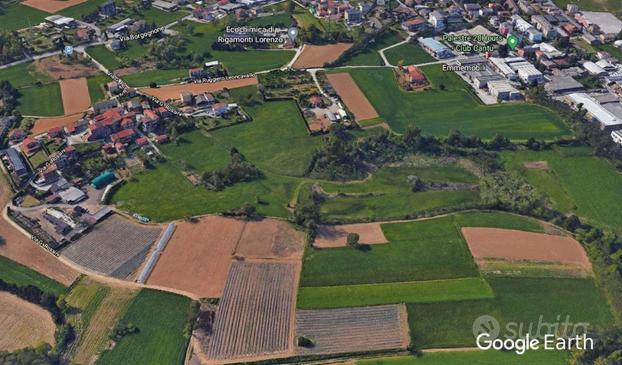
(512,41)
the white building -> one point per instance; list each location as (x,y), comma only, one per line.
(595,111)
(594,69)
(617,136)
(502,90)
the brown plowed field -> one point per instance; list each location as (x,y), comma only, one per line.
(198,256)
(75,94)
(42,125)
(23,324)
(173,91)
(255,315)
(512,245)
(316,56)
(52,6)
(348,330)
(352,96)
(270,239)
(336,236)
(19,248)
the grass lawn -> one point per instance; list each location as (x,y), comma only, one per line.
(461,110)
(38,158)
(283,19)
(387,194)
(592,5)
(81,9)
(160,77)
(522,300)
(161,318)
(409,53)
(613,50)
(104,56)
(96,86)
(18,16)
(18,274)
(370,56)
(87,296)
(570,182)
(393,293)
(161,17)
(276,141)
(44,100)
(474,358)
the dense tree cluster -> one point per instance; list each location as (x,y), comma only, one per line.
(509,191)
(315,35)
(10,47)
(166,54)
(8,98)
(607,350)
(238,170)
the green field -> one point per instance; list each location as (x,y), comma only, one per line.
(576,182)
(420,250)
(87,296)
(276,141)
(520,300)
(18,16)
(474,358)
(14,273)
(77,11)
(393,293)
(44,100)
(23,75)
(387,194)
(161,17)
(370,56)
(160,318)
(96,85)
(461,110)
(283,19)
(614,6)
(408,54)
(160,77)
(38,158)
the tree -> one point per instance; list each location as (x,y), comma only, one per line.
(416,184)
(353,239)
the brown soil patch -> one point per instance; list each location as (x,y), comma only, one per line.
(23,324)
(316,56)
(17,247)
(52,6)
(270,239)
(173,91)
(336,236)
(198,256)
(536,165)
(354,98)
(42,125)
(59,70)
(512,245)
(75,94)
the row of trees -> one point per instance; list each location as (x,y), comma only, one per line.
(8,98)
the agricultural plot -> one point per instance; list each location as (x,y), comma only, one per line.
(461,109)
(393,293)
(197,262)
(161,319)
(24,324)
(270,239)
(352,330)
(18,274)
(173,91)
(336,236)
(521,300)
(42,125)
(316,56)
(115,247)
(75,94)
(52,6)
(513,246)
(44,100)
(568,180)
(352,96)
(255,315)
(17,16)
(387,194)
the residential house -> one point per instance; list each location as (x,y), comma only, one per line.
(17,135)
(108,8)
(30,146)
(125,136)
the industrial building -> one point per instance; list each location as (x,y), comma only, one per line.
(435,48)
(503,90)
(595,111)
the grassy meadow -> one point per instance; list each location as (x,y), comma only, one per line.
(575,182)
(370,55)
(160,318)
(474,358)
(409,54)
(461,109)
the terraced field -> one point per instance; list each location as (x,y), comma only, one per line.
(115,247)
(347,330)
(254,316)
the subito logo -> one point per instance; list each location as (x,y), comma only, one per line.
(486,324)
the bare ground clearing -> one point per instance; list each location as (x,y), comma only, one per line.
(336,236)
(23,324)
